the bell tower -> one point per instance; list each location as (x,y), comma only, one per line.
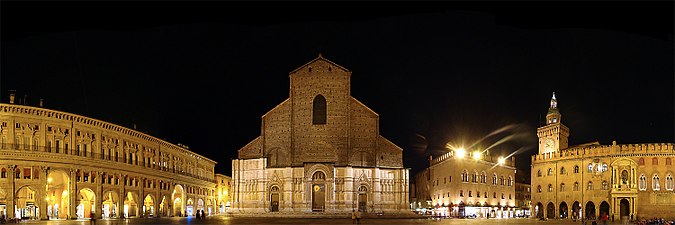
(553,136)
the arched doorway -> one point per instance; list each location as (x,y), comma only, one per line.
(86,203)
(590,211)
(539,210)
(177,201)
(26,203)
(563,210)
(550,211)
(604,209)
(148,206)
(58,184)
(576,210)
(200,205)
(130,205)
(318,191)
(209,207)
(274,199)
(189,207)
(363,198)
(461,209)
(110,203)
(624,209)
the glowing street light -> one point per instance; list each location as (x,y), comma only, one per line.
(460,153)
(476,155)
(501,161)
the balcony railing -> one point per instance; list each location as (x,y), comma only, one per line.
(99,156)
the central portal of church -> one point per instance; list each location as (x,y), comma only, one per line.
(318,192)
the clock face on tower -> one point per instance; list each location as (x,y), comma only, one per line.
(548,145)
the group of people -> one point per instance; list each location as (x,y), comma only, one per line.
(200,214)
(655,220)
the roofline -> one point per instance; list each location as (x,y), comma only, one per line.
(316,59)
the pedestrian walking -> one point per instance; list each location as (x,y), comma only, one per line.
(358,217)
(92,218)
(353,217)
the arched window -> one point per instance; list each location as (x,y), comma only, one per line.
(550,171)
(604,185)
(538,188)
(576,169)
(538,173)
(641,161)
(562,170)
(470,194)
(655,161)
(3,174)
(494,179)
(319,110)
(501,180)
(461,193)
(604,167)
(483,178)
(643,183)
(590,185)
(669,182)
(590,168)
(465,176)
(656,183)
(576,186)
(668,162)
(562,187)
(510,181)
(550,188)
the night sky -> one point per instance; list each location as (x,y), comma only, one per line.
(202,74)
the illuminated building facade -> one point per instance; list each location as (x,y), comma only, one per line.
(523,200)
(58,165)
(459,185)
(320,151)
(223,187)
(625,182)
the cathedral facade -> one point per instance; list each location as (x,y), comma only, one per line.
(623,182)
(319,151)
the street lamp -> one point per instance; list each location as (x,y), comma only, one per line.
(476,155)
(501,161)
(460,153)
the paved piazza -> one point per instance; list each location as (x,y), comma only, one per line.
(253,221)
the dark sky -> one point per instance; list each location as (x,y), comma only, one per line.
(204,73)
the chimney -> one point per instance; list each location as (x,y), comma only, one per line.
(11,96)
(42,101)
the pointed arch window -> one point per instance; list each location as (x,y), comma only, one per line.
(590,168)
(576,169)
(319,110)
(643,183)
(656,183)
(538,188)
(655,161)
(538,173)
(562,187)
(590,185)
(641,161)
(562,171)
(494,179)
(669,182)
(550,188)
(576,186)
(550,171)
(604,185)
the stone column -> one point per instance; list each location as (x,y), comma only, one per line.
(72,195)
(11,194)
(141,197)
(99,195)
(43,205)
(123,194)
